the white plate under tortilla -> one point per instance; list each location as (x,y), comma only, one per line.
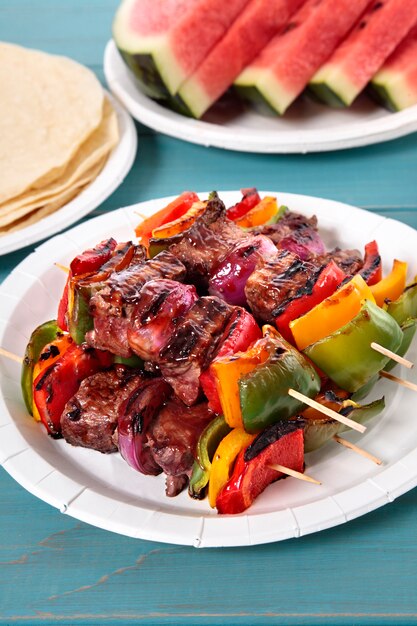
(104,491)
(111,176)
(306,127)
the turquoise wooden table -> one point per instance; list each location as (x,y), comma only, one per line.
(57,570)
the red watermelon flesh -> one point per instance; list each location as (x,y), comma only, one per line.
(251,477)
(284,67)
(252,30)
(396,81)
(167,39)
(363,52)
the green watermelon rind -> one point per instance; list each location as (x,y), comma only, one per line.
(383,95)
(324,93)
(146,73)
(251,93)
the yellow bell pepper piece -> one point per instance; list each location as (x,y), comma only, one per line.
(223,460)
(182,223)
(392,286)
(227,372)
(331,314)
(60,346)
(260,214)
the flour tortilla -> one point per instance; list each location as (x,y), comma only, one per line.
(94,150)
(35,215)
(57,201)
(48,107)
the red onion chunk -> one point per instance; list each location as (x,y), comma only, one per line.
(136,414)
(230,276)
(161,304)
(304,243)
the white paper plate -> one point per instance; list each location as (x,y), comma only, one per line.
(104,491)
(112,175)
(306,127)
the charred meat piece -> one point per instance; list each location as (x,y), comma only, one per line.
(160,306)
(208,240)
(277,281)
(350,261)
(90,417)
(295,233)
(113,305)
(192,346)
(173,437)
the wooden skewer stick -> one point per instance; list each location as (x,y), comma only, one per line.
(141,215)
(329,412)
(62,267)
(361,451)
(10,355)
(400,381)
(294,474)
(395,357)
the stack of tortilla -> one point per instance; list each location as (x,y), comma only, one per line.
(57,130)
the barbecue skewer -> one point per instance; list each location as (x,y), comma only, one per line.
(395,357)
(10,355)
(326,411)
(62,267)
(357,449)
(400,381)
(294,474)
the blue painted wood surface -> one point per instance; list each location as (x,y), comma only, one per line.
(57,570)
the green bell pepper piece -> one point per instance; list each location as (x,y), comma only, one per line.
(346,355)
(206,447)
(41,336)
(131,361)
(404,311)
(318,431)
(80,321)
(263,392)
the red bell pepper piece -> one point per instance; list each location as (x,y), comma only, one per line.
(240,332)
(60,381)
(88,261)
(62,321)
(250,199)
(91,260)
(372,267)
(326,284)
(252,475)
(173,211)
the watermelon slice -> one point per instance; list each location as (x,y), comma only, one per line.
(252,30)
(282,70)
(164,41)
(395,84)
(339,81)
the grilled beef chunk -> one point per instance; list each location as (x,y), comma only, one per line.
(277,281)
(113,305)
(89,419)
(192,346)
(160,306)
(208,240)
(175,484)
(295,233)
(350,261)
(173,437)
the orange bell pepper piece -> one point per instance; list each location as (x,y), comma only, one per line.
(172,211)
(265,210)
(50,353)
(332,313)
(228,370)
(182,223)
(223,460)
(392,286)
